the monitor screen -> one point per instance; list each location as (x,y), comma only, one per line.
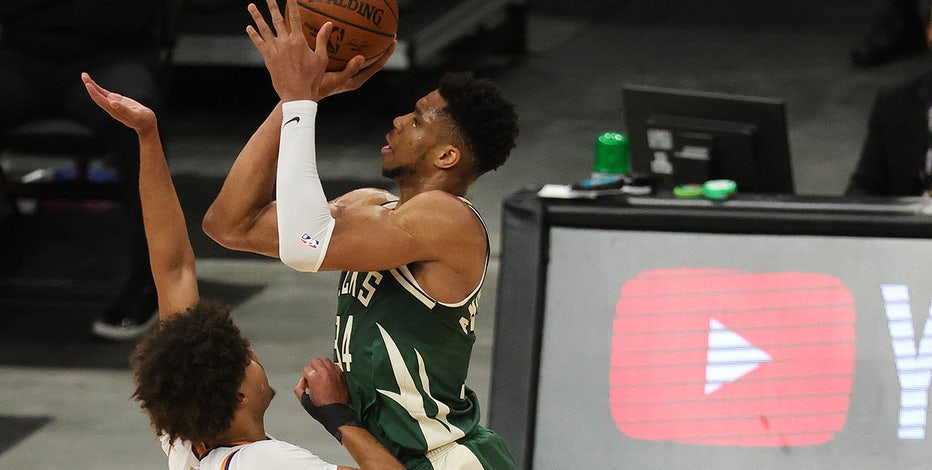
(689,137)
(766,332)
(733,352)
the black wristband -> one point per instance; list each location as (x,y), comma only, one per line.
(332,416)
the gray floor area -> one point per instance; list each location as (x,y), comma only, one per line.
(568,90)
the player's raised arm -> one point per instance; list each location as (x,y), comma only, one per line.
(170,251)
(243,216)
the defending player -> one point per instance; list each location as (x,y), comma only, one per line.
(196,376)
(413,266)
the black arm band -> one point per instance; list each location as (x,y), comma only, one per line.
(332,416)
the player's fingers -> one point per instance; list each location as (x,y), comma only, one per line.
(344,80)
(308,369)
(323,35)
(86,78)
(93,89)
(319,366)
(365,74)
(96,97)
(261,26)
(108,100)
(324,368)
(294,15)
(112,104)
(254,37)
(94,86)
(276,15)
(300,387)
(352,67)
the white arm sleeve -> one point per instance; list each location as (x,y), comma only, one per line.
(304,220)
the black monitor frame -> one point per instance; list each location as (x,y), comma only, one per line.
(711,136)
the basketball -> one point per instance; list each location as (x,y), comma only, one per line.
(360,27)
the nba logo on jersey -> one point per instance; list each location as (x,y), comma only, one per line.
(727,357)
(308,241)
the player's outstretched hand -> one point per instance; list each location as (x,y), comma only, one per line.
(124,109)
(324,383)
(295,69)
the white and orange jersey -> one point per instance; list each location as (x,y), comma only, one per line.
(270,453)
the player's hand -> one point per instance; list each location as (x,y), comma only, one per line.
(353,76)
(324,383)
(295,69)
(124,109)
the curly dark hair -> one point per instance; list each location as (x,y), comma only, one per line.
(487,121)
(189,370)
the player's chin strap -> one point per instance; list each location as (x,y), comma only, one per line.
(332,416)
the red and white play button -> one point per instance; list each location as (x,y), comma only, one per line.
(727,357)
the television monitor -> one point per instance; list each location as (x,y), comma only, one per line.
(689,137)
(763,332)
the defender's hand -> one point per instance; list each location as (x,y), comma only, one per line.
(124,109)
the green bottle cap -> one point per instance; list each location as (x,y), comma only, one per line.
(611,154)
(719,189)
(688,191)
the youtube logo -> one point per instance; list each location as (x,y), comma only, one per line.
(732,358)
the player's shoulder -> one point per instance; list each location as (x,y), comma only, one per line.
(437,208)
(435,200)
(439,216)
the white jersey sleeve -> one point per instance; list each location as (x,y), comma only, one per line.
(304,220)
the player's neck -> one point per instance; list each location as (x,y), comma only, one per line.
(242,430)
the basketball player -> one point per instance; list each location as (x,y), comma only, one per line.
(196,376)
(412,265)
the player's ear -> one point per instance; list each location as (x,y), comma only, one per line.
(448,156)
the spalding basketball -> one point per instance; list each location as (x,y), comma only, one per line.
(360,27)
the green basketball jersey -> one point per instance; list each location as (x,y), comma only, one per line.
(406,357)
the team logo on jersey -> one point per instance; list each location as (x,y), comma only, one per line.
(437,430)
(727,357)
(307,240)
